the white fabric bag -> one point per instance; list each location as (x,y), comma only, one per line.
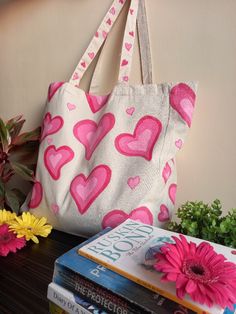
(104,159)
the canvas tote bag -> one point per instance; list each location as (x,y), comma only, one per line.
(106,158)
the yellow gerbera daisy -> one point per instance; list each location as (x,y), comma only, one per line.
(30,227)
(6,216)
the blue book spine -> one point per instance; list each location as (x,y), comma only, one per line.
(104,287)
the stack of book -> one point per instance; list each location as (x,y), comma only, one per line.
(113,272)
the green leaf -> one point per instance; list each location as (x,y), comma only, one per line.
(20,195)
(12,201)
(27,136)
(23,171)
(15,130)
(2,188)
(26,153)
(4,136)
(10,123)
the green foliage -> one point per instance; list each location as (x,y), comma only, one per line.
(205,221)
(18,156)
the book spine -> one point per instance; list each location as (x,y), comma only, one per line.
(165,294)
(65,303)
(55,309)
(95,294)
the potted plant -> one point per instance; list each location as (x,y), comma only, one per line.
(18,156)
(205,221)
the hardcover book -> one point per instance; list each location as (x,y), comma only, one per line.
(106,288)
(129,250)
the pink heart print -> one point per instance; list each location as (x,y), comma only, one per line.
(83,64)
(55,159)
(172,192)
(53,87)
(108,21)
(117,216)
(125,78)
(85,190)
(164,214)
(133,182)
(55,208)
(49,140)
(179,143)
(91,55)
(131,34)
(36,196)
(182,99)
(96,102)
(104,34)
(51,125)
(124,62)
(128,46)
(71,106)
(75,76)
(166,172)
(91,134)
(112,11)
(142,142)
(130,111)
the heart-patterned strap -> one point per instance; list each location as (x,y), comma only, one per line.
(144,52)
(128,42)
(97,41)
(144,44)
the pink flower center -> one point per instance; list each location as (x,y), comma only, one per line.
(197,271)
(5,238)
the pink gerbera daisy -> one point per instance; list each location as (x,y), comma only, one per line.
(199,271)
(8,241)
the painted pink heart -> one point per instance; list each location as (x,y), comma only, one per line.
(133,182)
(125,78)
(53,87)
(55,159)
(49,140)
(83,64)
(36,196)
(172,192)
(90,134)
(75,76)
(233,252)
(55,208)
(71,106)
(96,102)
(131,34)
(108,21)
(182,99)
(85,190)
(128,46)
(117,216)
(142,142)
(112,11)
(51,125)
(124,62)
(130,111)
(131,11)
(179,143)
(121,1)
(91,55)
(166,172)
(164,214)
(104,34)
(96,34)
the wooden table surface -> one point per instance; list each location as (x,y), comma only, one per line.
(24,276)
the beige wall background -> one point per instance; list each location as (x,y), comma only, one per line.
(41,41)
